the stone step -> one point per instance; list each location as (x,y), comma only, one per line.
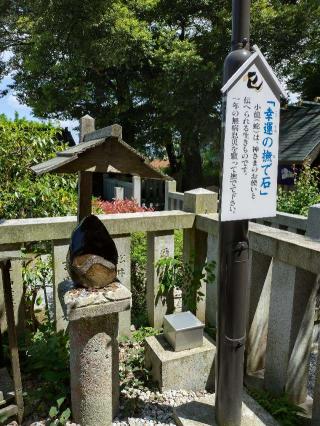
(201,413)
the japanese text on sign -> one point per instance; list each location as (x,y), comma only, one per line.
(249,182)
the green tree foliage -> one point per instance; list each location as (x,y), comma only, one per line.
(304,194)
(23,194)
(154,66)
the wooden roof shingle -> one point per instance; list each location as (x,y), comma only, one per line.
(101,151)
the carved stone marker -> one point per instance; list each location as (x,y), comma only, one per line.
(94,356)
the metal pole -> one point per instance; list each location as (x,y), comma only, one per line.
(234,264)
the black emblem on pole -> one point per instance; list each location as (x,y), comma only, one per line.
(253,81)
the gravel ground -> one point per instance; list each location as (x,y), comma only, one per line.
(151,408)
(154,408)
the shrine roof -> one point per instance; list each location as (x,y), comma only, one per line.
(101,151)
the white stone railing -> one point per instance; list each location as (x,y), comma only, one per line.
(285,270)
(287,221)
(173,199)
(159,227)
(284,284)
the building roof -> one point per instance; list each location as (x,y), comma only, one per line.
(101,151)
(299,133)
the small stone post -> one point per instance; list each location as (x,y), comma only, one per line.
(169,186)
(211,299)
(123,244)
(118,193)
(258,317)
(136,192)
(198,201)
(17,292)
(313,222)
(290,330)
(60,249)
(94,356)
(316,396)
(159,244)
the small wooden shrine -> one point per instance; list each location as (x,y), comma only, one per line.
(101,151)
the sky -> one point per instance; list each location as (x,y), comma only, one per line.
(9,105)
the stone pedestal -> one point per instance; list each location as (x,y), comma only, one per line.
(192,369)
(94,359)
(202,412)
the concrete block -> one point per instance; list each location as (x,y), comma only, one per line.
(192,369)
(201,412)
(200,200)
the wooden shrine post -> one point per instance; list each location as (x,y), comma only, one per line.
(84,177)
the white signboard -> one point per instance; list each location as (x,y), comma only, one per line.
(250,165)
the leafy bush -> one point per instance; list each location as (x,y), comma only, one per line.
(174,273)
(46,364)
(37,274)
(121,206)
(138,273)
(23,194)
(304,194)
(284,411)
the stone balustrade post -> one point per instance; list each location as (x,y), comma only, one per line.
(169,186)
(313,222)
(59,250)
(123,244)
(118,193)
(159,244)
(316,396)
(291,318)
(94,354)
(199,201)
(211,297)
(17,292)
(136,190)
(258,316)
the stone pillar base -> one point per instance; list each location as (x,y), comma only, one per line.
(192,369)
(94,357)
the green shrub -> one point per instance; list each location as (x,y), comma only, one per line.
(284,411)
(174,273)
(45,363)
(138,274)
(23,194)
(304,194)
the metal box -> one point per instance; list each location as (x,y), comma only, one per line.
(183,331)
